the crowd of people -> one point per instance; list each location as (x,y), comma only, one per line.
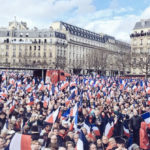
(84,113)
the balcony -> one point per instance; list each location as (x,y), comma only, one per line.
(139,34)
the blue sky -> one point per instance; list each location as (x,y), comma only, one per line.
(113,17)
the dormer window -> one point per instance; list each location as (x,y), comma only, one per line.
(27,35)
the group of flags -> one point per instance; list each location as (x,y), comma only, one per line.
(94,88)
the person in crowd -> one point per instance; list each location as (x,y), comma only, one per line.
(90,109)
(135,124)
(144,141)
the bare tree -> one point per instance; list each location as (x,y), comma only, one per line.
(103,62)
(89,62)
(60,62)
(143,64)
(123,61)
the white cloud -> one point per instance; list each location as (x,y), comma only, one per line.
(115,20)
(42,12)
(146,13)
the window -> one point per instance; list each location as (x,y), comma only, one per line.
(50,54)
(14,54)
(8,33)
(6,53)
(141,42)
(27,35)
(39,48)
(7,46)
(34,47)
(45,41)
(21,34)
(141,50)
(19,54)
(30,47)
(141,59)
(44,54)
(14,47)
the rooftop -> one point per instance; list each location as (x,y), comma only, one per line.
(144,23)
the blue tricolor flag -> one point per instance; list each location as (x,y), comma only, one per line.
(146,117)
(82,143)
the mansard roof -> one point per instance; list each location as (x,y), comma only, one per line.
(83,33)
(142,24)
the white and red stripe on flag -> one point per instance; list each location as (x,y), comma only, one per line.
(52,117)
(96,131)
(64,85)
(20,142)
(28,88)
(109,129)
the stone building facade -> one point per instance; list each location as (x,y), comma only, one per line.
(140,48)
(88,51)
(62,46)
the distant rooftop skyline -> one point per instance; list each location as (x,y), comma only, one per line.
(113,17)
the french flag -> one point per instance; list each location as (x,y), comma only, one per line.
(12,106)
(96,84)
(66,113)
(31,100)
(28,88)
(20,142)
(148,90)
(74,110)
(148,102)
(87,126)
(3,94)
(109,129)
(73,85)
(52,116)
(41,86)
(19,84)
(45,103)
(76,121)
(146,117)
(96,130)
(126,129)
(33,82)
(73,94)
(64,85)
(82,143)
(12,81)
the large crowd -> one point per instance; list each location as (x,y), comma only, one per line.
(82,113)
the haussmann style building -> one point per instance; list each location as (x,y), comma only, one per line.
(140,48)
(62,46)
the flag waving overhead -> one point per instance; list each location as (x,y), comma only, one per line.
(20,142)
(52,116)
(146,117)
(82,143)
(109,129)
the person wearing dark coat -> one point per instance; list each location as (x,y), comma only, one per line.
(135,124)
